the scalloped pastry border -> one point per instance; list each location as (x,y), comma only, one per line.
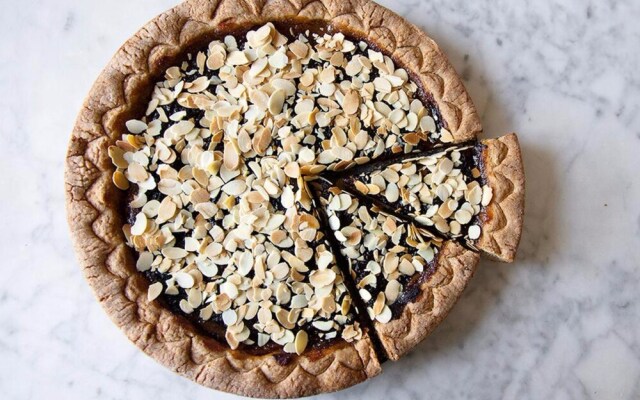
(504,216)
(438,294)
(94,204)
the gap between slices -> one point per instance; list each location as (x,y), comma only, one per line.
(219,214)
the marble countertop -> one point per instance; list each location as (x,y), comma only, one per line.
(563,322)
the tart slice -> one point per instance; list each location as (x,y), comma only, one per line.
(397,267)
(473,193)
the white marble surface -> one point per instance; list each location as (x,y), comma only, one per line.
(561,323)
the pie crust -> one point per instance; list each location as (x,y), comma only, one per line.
(503,217)
(454,267)
(95,206)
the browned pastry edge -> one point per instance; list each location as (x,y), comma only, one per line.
(94,205)
(438,294)
(503,217)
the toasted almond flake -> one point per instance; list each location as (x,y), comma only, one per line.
(342,153)
(379,304)
(351,102)
(199,84)
(392,291)
(229,317)
(323,325)
(382,85)
(194,298)
(169,187)
(246,263)
(487,195)
(235,188)
(154,291)
(182,128)
(321,278)
(362,188)
(244,141)
(184,280)
(445,166)
(141,224)
(292,170)
(185,306)
(384,316)
(301,342)
(137,173)
(166,210)
(392,194)
(136,126)
(231,340)
(261,141)
(406,267)
(276,101)
(117,157)
(306,156)
(207,268)
(427,124)
(174,253)
(474,232)
(299,49)
(237,58)
(231,156)
(145,259)
(229,289)
(199,196)
(262,35)
(278,60)
(463,217)
(442,225)
(120,180)
(446,136)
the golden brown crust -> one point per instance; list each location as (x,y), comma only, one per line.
(438,294)
(94,205)
(503,217)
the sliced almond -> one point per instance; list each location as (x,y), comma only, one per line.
(301,342)
(276,102)
(155,289)
(322,278)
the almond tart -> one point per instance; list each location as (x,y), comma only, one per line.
(272,198)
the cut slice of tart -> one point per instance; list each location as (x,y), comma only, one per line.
(398,268)
(461,192)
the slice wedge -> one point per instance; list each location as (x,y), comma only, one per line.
(470,193)
(407,280)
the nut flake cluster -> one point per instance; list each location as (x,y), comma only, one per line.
(383,252)
(218,164)
(437,190)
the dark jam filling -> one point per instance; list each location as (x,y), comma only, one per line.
(214,327)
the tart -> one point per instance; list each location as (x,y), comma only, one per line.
(215,192)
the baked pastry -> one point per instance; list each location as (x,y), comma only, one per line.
(190,190)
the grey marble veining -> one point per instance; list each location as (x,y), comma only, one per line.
(560,323)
